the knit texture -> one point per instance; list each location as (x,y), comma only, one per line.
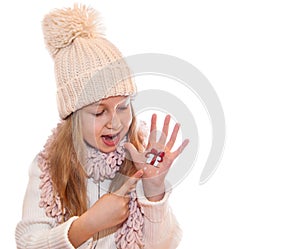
(88,67)
(36,230)
(99,166)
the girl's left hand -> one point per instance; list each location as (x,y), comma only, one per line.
(154,175)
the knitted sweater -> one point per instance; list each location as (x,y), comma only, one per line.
(36,230)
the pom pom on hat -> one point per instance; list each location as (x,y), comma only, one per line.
(62,26)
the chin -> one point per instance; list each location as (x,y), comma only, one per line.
(107,149)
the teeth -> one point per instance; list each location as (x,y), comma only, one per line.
(111,136)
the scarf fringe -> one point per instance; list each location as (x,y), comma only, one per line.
(99,166)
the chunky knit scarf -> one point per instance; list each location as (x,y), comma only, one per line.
(99,166)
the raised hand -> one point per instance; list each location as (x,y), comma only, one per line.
(158,157)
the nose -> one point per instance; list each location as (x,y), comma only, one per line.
(114,122)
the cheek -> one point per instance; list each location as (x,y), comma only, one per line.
(97,127)
(86,129)
(127,119)
(91,128)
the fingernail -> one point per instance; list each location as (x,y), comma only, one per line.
(140,173)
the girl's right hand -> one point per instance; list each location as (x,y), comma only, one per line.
(110,210)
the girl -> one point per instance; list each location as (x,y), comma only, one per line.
(84,189)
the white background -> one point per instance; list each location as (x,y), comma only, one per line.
(249,51)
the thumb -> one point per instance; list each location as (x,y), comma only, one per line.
(130,183)
(136,156)
(131,149)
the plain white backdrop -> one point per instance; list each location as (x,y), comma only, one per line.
(249,51)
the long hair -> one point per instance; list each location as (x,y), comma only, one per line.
(66,164)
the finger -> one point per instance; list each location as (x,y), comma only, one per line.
(180,148)
(152,135)
(164,134)
(173,137)
(136,156)
(129,185)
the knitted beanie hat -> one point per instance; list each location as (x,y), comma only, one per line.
(88,67)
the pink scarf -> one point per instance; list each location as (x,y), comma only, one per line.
(99,166)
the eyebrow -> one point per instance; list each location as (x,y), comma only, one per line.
(121,102)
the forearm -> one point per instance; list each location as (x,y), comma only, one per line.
(94,220)
(80,231)
(39,234)
(161,228)
(107,213)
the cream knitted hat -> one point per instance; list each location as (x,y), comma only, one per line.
(88,67)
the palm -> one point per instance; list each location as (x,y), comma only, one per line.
(157,158)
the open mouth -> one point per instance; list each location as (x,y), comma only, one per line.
(111,139)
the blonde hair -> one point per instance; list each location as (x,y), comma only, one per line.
(66,157)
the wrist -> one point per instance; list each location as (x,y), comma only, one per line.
(153,191)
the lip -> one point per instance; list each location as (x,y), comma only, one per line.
(108,141)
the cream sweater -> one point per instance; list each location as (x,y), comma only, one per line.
(36,230)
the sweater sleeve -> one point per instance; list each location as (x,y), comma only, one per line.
(36,230)
(161,229)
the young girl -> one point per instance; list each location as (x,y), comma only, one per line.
(99,182)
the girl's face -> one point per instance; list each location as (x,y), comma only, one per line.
(106,122)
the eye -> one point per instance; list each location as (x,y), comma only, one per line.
(98,114)
(122,108)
